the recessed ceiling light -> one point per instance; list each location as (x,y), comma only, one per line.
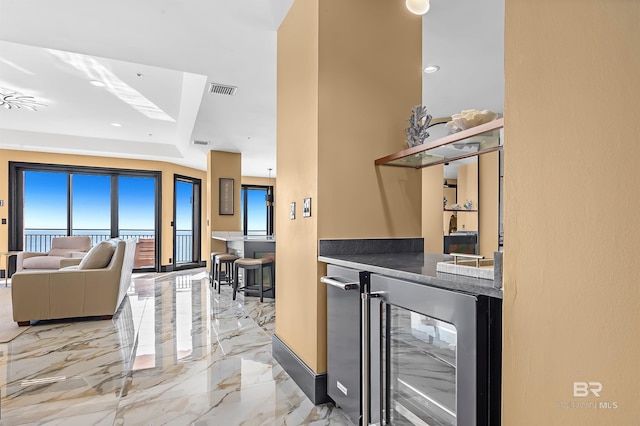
(116,124)
(97,83)
(431,69)
(418,7)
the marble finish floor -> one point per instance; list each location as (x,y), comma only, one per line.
(176,353)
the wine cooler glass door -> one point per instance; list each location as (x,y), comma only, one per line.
(426,370)
(420,365)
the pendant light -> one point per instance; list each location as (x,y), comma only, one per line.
(418,7)
(269,197)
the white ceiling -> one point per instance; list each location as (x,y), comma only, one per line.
(158,58)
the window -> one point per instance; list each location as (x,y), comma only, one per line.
(45,214)
(91,206)
(255,214)
(54,200)
(137,216)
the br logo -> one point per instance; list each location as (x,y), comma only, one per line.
(583,389)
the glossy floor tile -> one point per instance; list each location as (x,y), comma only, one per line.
(176,353)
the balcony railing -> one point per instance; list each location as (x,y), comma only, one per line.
(39,240)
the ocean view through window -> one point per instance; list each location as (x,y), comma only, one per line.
(54,201)
(255,215)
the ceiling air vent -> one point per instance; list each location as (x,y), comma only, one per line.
(222,89)
(204,143)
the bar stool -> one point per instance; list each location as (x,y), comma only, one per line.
(213,262)
(227,276)
(248,264)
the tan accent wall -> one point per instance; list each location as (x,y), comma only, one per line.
(370,78)
(297,157)
(348,75)
(221,164)
(432,215)
(167,169)
(488,189)
(256,180)
(571,286)
(468,190)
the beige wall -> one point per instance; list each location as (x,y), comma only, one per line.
(348,75)
(571,152)
(297,159)
(432,215)
(468,190)
(256,180)
(167,169)
(488,189)
(370,78)
(221,164)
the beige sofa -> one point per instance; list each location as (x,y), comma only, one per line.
(61,248)
(96,287)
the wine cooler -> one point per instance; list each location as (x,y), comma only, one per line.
(434,355)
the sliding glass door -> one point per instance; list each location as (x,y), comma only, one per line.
(50,200)
(45,211)
(91,206)
(137,217)
(186,229)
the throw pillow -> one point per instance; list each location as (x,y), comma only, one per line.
(99,256)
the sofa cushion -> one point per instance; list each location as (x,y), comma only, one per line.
(42,262)
(73,243)
(99,256)
(60,252)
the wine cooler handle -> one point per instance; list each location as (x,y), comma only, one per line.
(339,284)
(366,355)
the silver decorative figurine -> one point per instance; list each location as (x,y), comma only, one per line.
(418,124)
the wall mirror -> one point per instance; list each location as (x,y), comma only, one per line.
(460,206)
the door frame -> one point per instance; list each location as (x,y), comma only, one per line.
(196,259)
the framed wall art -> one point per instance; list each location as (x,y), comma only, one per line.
(226,197)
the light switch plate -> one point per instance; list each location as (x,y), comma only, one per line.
(306,207)
(292,211)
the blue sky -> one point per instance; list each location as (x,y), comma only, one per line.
(46,202)
(257,210)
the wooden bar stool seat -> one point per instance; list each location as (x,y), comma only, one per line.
(223,275)
(255,264)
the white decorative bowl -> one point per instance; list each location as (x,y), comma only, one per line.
(469,118)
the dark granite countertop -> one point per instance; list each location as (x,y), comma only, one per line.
(418,267)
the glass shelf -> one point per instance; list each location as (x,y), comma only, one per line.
(466,143)
(459,210)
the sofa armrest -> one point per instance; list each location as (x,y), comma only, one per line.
(25,255)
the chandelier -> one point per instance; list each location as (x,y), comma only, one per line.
(12,99)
